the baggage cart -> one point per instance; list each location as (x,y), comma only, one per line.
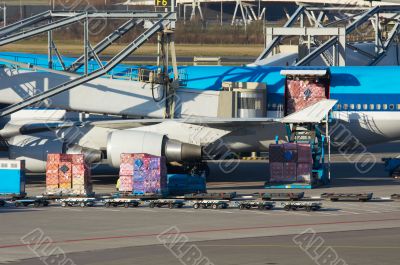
(210,196)
(261,205)
(213,204)
(308,206)
(395,196)
(347,196)
(171,203)
(35,201)
(77,201)
(275,196)
(126,202)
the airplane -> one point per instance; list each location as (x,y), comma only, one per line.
(192,121)
(367,106)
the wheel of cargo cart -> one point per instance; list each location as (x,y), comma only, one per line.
(196,206)
(63,204)
(214,206)
(309,208)
(171,205)
(126,205)
(224,206)
(241,207)
(82,204)
(268,207)
(287,207)
(180,205)
(25,204)
(17,204)
(204,206)
(248,206)
(2,203)
(115,204)
(46,203)
(107,204)
(151,205)
(159,205)
(36,204)
(334,199)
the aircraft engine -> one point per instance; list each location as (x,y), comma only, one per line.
(34,150)
(129,141)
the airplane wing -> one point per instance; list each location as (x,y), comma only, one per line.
(218,122)
(313,114)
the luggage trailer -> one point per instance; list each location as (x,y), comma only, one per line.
(308,206)
(77,201)
(347,196)
(260,205)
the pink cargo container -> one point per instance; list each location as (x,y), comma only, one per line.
(276,171)
(304,153)
(126,183)
(289,172)
(304,172)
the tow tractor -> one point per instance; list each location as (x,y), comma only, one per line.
(77,201)
(308,206)
(261,205)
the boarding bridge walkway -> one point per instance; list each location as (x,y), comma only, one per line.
(162,22)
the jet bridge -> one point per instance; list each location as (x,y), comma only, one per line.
(327,31)
(154,23)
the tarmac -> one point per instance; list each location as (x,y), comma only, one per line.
(348,232)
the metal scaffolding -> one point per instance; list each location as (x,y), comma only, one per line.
(340,23)
(154,22)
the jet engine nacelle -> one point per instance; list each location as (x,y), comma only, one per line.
(129,141)
(34,150)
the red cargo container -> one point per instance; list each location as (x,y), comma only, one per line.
(69,173)
(304,92)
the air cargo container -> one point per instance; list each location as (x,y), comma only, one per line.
(12,178)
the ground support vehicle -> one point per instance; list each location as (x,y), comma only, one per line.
(308,206)
(35,201)
(77,201)
(272,196)
(126,202)
(261,205)
(213,204)
(171,203)
(347,196)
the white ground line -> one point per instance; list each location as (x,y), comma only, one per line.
(349,212)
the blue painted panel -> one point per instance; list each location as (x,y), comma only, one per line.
(12,181)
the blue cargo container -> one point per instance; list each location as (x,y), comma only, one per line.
(12,177)
(180,184)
